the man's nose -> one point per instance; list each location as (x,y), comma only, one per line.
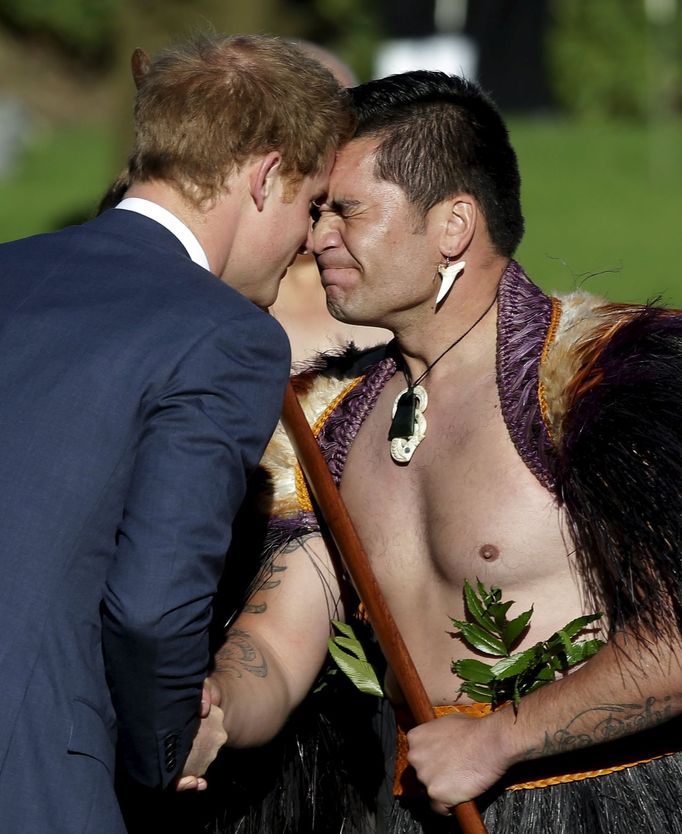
(324,234)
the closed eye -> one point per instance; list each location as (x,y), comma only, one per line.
(344,208)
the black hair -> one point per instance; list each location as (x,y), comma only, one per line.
(441,135)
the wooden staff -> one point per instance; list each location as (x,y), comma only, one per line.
(355,559)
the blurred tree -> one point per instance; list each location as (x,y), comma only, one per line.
(154,24)
(606,56)
(349,28)
(82,27)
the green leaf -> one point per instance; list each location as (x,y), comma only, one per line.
(498,610)
(565,641)
(516,697)
(542,679)
(482,640)
(590,648)
(559,661)
(475,609)
(360,672)
(344,628)
(583,651)
(477,692)
(347,652)
(546,674)
(488,596)
(514,675)
(515,628)
(577,625)
(352,645)
(515,664)
(473,670)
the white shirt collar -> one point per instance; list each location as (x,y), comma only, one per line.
(174,225)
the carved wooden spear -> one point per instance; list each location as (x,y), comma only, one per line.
(355,559)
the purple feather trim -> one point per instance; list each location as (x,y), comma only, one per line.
(341,429)
(284,529)
(522,324)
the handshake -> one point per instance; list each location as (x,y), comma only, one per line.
(210,737)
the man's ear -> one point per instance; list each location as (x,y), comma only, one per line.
(458,225)
(140,64)
(263,176)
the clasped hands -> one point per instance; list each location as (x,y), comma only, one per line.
(210,737)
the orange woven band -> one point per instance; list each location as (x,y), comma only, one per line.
(405,782)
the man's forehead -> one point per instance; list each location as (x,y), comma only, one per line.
(354,165)
(357,152)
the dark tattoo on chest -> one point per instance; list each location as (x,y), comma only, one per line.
(238,655)
(605,723)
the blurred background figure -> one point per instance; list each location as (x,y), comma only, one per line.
(301,306)
(426,35)
(301,309)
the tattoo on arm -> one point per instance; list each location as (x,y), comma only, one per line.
(298,542)
(238,655)
(270,580)
(605,723)
(265,585)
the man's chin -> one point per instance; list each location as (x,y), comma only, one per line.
(271,296)
(341,312)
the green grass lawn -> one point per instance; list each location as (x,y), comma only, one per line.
(60,181)
(603,203)
(603,208)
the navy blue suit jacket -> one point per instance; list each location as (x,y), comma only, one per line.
(137,391)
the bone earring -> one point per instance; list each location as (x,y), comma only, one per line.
(449,273)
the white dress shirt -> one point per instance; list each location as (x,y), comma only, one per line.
(171,222)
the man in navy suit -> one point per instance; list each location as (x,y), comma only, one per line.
(137,392)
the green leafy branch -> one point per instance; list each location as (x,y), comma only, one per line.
(348,654)
(487,630)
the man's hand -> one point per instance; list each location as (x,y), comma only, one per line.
(456,758)
(210,737)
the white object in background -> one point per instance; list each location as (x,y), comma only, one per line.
(453,54)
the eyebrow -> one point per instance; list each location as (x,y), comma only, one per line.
(341,206)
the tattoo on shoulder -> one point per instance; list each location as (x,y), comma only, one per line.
(298,542)
(270,578)
(273,581)
(605,723)
(253,608)
(238,655)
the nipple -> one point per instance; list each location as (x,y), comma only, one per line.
(489,552)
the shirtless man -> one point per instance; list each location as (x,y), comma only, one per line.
(430,179)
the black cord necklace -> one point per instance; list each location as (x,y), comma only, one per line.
(408,424)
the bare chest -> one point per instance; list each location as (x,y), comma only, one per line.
(465,508)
